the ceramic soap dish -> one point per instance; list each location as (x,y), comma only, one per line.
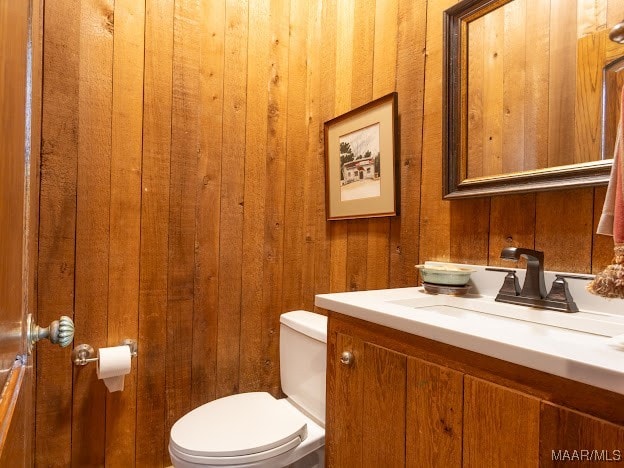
(444,275)
(431,288)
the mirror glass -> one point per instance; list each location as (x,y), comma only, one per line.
(526,81)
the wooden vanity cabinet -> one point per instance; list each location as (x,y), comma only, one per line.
(401,400)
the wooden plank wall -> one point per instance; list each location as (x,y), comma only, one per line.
(182,197)
(543,108)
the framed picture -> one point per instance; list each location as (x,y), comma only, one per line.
(360,161)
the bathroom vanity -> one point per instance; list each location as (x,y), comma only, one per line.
(420,380)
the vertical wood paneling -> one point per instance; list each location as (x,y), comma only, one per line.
(512,224)
(275,191)
(255,186)
(92,225)
(59,155)
(342,103)
(563,229)
(470,230)
(435,219)
(383,407)
(345,448)
(435,398)
(323,265)
(412,29)
(314,217)
(229,227)
(151,437)
(493,39)
(297,160)
(587,112)
(384,82)
(514,84)
(125,218)
(182,206)
(476,71)
(362,43)
(496,438)
(232,186)
(565,430)
(562,88)
(208,208)
(536,92)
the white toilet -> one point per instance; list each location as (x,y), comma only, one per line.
(253,430)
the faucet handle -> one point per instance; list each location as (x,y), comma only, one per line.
(573,276)
(510,286)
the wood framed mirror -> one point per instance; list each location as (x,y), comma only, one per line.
(525,87)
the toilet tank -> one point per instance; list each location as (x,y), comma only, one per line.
(303,356)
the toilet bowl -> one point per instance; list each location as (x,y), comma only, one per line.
(253,430)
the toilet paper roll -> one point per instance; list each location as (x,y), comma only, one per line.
(112,366)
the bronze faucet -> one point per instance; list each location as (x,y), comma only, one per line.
(533,292)
(534,286)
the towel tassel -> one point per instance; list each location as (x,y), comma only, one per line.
(610,282)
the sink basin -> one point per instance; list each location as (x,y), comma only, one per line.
(474,306)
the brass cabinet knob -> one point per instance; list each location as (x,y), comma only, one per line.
(346,358)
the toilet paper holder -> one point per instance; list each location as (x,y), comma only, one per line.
(84,354)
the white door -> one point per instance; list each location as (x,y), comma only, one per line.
(16,376)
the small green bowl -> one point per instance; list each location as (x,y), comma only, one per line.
(445,275)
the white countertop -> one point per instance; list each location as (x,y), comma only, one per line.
(539,339)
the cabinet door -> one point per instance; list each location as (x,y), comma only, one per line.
(501,426)
(366,401)
(577,439)
(434,415)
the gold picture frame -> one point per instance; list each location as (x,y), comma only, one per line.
(360,161)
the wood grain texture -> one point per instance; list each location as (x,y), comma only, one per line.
(314,194)
(275,194)
(216,181)
(383,407)
(470,230)
(251,369)
(384,82)
(563,229)
(537,69)
(361,88)
(496,437)
(295,260)
(19,168)
(125,218)
(344,441)
(562,85)
(434,415)
(512,224)
(587,112)
(14,169)
(578,439)
(232,198)
(151,438)
(93,197)
(57,226)
(182,206)
(328,57)
(435,216)
(514,84)
(208,205)
(410,87)
(558,390)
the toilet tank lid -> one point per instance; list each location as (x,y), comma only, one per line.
(308,323)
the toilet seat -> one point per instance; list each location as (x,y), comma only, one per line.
(238,429)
